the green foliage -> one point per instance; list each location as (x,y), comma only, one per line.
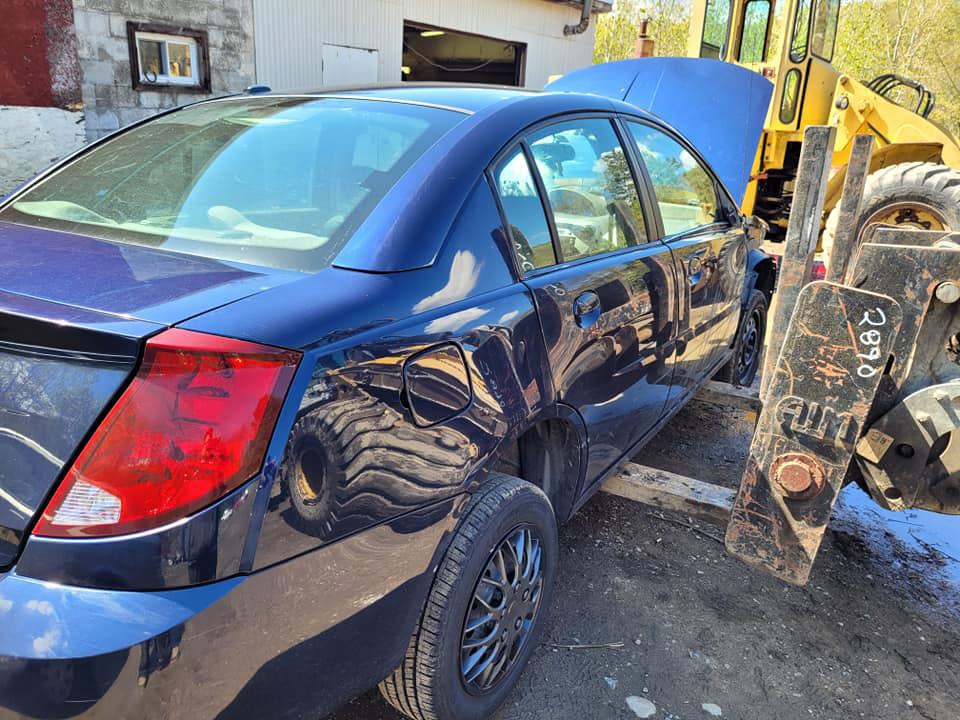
(617,32)
(916,38)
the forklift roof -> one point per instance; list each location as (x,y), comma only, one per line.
(719,107)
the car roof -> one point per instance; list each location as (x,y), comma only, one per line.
(459,96)
(431,193)
(468,98)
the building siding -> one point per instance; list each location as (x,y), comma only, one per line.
(290,34)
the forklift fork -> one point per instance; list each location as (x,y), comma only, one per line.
(866,370)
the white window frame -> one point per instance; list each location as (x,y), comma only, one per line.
(165,78)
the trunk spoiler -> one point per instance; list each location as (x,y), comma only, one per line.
(719,107)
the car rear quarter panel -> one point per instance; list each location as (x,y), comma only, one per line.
(357,454)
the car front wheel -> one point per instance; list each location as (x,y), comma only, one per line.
(486,608)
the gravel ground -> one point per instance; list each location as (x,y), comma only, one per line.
(875,633)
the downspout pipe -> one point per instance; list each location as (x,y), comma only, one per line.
(584,20)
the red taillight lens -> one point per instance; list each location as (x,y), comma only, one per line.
(192,425)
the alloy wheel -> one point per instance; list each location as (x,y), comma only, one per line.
(502,612)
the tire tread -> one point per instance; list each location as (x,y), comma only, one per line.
(409,689)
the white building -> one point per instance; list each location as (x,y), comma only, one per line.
(305,43)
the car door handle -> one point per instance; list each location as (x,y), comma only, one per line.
(586,309)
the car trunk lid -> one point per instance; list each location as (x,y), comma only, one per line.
(130,281)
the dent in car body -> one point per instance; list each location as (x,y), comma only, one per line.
(356,455)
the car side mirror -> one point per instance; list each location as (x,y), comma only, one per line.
(756,230)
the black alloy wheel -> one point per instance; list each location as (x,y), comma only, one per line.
(504,608)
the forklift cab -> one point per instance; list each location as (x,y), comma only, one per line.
(743,32)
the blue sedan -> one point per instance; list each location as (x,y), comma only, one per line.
(294,389)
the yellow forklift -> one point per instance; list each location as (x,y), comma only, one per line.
(914,178)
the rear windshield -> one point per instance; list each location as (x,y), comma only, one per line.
(274,181)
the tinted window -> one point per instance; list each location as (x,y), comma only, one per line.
(590,188)
(715,25)
(684,191)
(272,181)
(825,28)
(753,42)
(521,203)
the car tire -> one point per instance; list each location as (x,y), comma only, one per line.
(440,677)
(747,355)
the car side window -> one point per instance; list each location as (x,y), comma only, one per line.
(532,241)
(685,193)
(590,188)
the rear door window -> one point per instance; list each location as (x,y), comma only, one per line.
(685,192)
(589,186)
(529,230)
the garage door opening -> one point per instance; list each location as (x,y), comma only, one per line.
(439,55)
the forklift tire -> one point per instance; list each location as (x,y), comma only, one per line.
(919,195)
(748,344)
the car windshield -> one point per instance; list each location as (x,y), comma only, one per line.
(275,181)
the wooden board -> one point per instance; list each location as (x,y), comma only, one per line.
(669,491)
(721,393)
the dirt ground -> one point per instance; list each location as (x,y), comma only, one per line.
(875,634)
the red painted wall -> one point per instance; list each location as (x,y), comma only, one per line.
(38,54)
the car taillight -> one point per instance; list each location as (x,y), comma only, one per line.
(193,424)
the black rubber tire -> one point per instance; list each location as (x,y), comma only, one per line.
(732,372)
(935,185)
(427,685)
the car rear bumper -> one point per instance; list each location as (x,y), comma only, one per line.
(295,639)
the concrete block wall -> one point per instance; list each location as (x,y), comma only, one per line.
(110,102)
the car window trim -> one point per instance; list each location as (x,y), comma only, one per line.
(652,222)
(651,217)
(544,200)
(724,201)
(515,268)
(490,173)
(539,272)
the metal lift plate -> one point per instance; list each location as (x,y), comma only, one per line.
(832,359)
